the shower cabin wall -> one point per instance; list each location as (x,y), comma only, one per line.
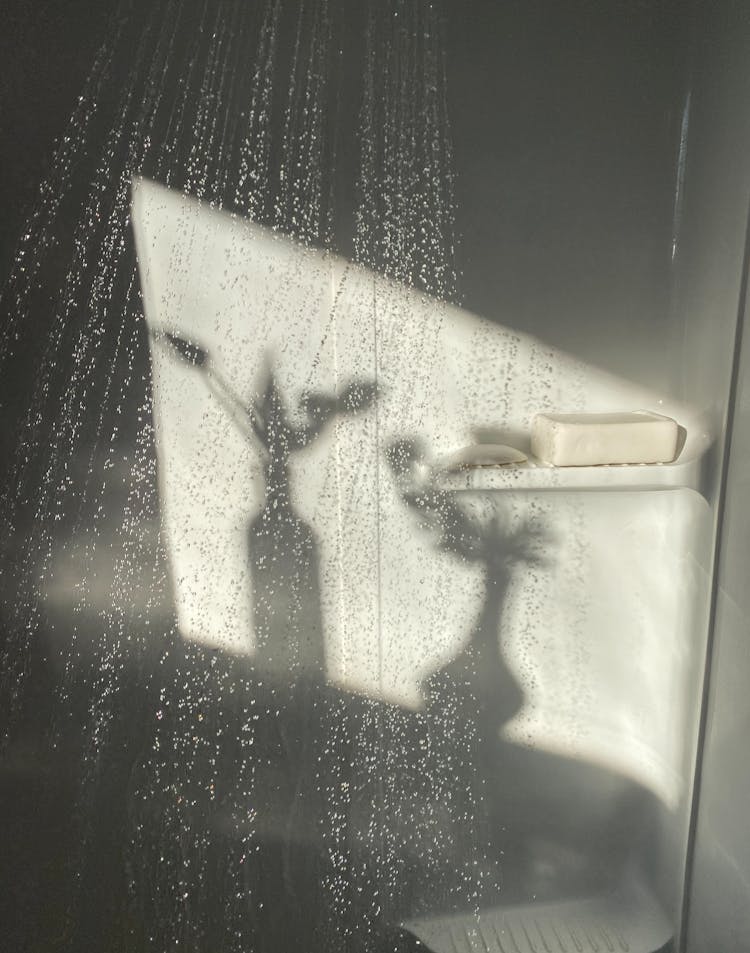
(712,191)
(707,305)
(720,879)
(571,151)
(712,294)
(566,121)
(601,204)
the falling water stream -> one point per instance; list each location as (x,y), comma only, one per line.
(237,104)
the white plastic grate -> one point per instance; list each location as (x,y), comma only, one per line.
(628,921)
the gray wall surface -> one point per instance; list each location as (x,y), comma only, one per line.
(711,273)
(719,908)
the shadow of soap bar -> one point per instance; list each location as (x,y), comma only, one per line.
(585,440)
(484,455)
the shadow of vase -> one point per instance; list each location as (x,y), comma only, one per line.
(284,572)
(479,678)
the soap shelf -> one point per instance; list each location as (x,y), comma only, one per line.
(536,476)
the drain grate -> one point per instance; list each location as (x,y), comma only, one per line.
(495,933)
(628,921)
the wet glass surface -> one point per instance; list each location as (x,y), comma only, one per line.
(267,684)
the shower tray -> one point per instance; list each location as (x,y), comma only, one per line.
(627,920)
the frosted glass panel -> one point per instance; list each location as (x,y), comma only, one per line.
(275,672)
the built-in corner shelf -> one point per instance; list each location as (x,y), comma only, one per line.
(536,476)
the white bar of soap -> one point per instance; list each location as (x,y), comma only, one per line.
(585,440)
